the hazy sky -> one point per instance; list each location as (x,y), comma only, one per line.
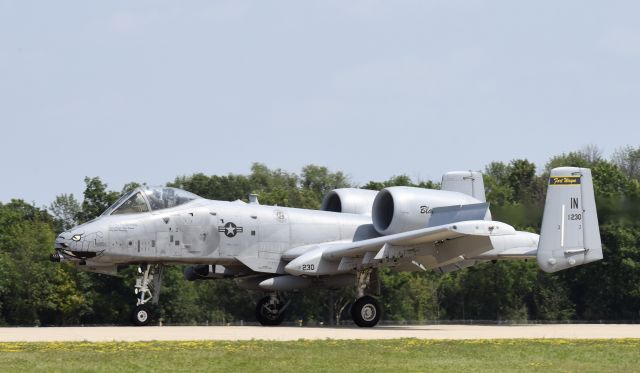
(148,90)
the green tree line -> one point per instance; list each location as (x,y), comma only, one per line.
(35,291)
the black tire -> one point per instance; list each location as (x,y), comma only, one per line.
(365,312)
(266,315)
(141,315)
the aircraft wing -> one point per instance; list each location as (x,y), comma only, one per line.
(320,259)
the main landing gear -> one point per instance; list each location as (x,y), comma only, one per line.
(149,279)
(365,311)
(270,310)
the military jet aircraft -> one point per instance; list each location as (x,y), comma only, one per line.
(277,249)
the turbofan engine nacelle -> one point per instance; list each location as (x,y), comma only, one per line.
(349,200)
(401,209)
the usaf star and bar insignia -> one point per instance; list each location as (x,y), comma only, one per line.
(230,229)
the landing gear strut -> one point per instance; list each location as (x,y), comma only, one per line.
(149,280)
(365,311)
(270,310)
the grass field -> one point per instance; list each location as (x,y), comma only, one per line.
(407,355)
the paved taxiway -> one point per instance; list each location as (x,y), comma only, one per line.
(181,333)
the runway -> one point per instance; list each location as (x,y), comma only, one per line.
(289,333)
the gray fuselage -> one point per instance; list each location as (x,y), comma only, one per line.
(211,232)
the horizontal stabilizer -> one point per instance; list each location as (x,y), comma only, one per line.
(451,214)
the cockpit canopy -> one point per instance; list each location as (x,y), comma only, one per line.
(147,198)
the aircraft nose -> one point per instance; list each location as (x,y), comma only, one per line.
(68,239)
(61,240)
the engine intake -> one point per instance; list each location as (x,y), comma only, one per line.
(349,200)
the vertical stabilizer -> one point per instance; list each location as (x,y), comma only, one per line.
(467,182)
(570,235)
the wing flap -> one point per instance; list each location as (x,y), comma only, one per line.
(317,259)
(419,237)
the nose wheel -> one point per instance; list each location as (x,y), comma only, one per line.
(142,315)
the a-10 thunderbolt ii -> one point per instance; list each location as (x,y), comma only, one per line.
(277,250)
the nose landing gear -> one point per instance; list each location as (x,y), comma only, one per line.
(147,288)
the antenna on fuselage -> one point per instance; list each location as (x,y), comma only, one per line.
(253,199)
